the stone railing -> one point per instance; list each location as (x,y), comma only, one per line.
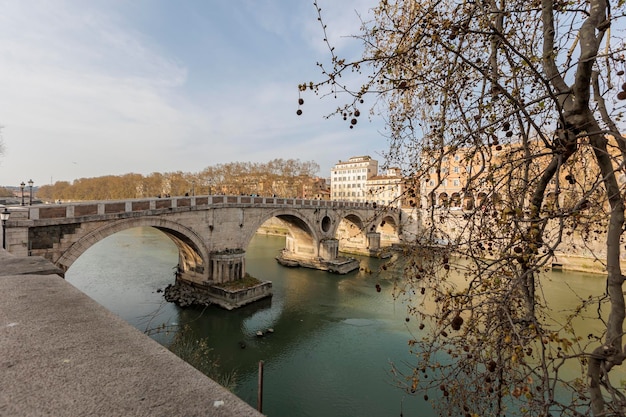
(95,208)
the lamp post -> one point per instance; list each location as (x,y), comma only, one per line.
(193,188)
(30,185)
(4,216)
(22,185)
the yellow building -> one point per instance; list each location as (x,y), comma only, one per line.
(444,183)
(386,190)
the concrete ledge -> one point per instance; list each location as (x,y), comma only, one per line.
(587,264)
(62,354)
(31,265)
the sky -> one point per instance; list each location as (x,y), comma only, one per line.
(110,87)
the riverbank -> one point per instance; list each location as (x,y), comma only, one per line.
(561,261)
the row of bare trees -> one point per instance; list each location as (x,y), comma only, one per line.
(277,177)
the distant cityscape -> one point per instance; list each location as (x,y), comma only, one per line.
(356,179)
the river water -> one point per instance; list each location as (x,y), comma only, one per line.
(335,337)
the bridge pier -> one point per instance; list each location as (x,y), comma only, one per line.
(227,266)
(373,243)
(327,260)
(329,249)
(366,244)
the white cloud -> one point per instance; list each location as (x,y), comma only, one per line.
(84,94)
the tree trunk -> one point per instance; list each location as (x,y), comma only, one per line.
(611,353)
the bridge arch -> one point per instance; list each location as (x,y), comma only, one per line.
(351,232)
(304,234)
(388,226)
(192,252)
(356,232)
(351,220)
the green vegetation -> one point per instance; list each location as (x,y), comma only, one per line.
(198,354)
(240,284)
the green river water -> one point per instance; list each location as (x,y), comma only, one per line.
(334,338)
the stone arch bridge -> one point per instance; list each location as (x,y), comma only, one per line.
(211,232)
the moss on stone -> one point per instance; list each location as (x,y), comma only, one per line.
(240,284)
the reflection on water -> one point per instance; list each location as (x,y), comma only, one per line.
(334,339)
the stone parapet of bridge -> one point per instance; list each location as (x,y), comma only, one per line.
(116,207)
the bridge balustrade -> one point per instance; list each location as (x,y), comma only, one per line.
(91,208)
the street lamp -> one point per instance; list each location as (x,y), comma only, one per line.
(193,187)
(22,185)
(4,216)
(30,185)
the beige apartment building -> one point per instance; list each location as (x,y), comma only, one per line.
(386,190)
(446,188)
(445,184)
(357,179)
(348,179)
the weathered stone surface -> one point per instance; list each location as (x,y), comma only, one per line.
(185,295)
(339,265)
(201,227)
(235,298)
(45,237)
(63,354)
(32,265)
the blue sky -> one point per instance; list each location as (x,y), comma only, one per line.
(108,87)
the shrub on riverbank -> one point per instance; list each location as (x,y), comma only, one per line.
(197,353)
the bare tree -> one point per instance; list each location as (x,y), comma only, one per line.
(284,177)
(523,97)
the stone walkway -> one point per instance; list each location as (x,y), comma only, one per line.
(62,354)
